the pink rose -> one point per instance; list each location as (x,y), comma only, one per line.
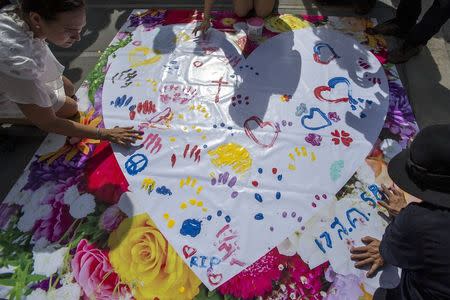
(93,272)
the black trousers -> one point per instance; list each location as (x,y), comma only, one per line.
(419,34)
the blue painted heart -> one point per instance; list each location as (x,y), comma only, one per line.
(315,120)
(324,53)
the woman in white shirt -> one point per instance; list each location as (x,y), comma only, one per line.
(31,77)
(262,8)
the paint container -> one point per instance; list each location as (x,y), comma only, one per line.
(255,28)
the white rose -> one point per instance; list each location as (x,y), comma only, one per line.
(71,195)
(47,261)
(83,206)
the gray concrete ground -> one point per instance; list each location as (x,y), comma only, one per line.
(426,77)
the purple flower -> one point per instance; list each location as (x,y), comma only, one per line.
(121,35)
(148,19)
(59,171)
(53,226)
(111,218)
(400,118)
(45,284)
(313,139)
(333,116)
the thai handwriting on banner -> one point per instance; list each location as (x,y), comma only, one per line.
(353,216)
(228,244)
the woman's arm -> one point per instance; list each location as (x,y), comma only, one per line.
(207,9)
(204,26)
(45,119)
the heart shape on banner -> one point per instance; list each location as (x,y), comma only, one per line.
(261,124)
(225,175)
(324,53)
(323,121)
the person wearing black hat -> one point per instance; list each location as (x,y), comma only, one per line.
(418,238)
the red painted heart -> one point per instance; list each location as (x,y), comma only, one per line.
(188,251)
(261,124)
(214,279)
(320,89)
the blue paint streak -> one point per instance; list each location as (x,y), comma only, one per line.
(219,213)
(278,195)
(280,177)
(260,170)
(258,197)
(162,190)
(228,219)
(209,218)
(191,227)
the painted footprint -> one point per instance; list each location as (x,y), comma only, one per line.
(224,178)
(148,184)
(220,214)
(170,222)
(318,198)
(190,182)
(300,153)
(193,203)
(278,177)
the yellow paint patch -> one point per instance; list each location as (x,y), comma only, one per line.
(143,56)
(233,155)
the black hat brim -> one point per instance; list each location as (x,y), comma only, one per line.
(398,173)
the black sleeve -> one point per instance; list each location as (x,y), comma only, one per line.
(400,245)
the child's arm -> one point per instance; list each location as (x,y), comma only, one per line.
(204,26)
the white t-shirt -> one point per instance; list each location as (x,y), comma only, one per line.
(29,72)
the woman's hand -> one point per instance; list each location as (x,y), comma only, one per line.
(124,136)
(368,255)
(203,27)
(395,200)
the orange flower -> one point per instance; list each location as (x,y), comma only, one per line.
(81,145)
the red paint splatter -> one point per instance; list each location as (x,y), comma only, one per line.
(255,183)
(173,160)
(274,171)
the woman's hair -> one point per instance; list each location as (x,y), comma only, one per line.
(49,9)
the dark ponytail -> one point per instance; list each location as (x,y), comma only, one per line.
(49,9)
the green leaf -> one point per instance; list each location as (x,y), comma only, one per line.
(34,278)
(97,77)
(205,294)
(7,282)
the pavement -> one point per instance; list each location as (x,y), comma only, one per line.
(426,77)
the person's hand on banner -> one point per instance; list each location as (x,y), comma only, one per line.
(394,200)
(202,27)
(368,255)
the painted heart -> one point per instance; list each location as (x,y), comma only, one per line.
(190,139)
(249,132)
(316,119)
(324,53)
(188,251)
(215,279)
(332,83)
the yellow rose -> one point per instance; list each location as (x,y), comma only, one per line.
(148,264)
(286,22)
